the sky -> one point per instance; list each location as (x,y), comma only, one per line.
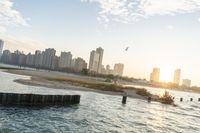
(159,33)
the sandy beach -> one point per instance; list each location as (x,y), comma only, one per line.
(40,78)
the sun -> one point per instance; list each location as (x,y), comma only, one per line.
(166,75)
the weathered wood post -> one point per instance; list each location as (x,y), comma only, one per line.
(191,99)
(199,99)
(149,99)
(181,99)
(124,98)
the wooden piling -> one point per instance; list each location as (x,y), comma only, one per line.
(15,99)
(124,99)
(181,99)
(191,99)
(149,99)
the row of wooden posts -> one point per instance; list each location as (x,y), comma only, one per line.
(124,99)
(191,99)
(13,99)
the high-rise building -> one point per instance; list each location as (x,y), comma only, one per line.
(96,58)
(65,60)
(30,60)
(119,69)
(15,57)
(6,57)
(155,75)
(80,64)
(100,51)
(48,58)
(73,63)
(186,83)
(38,59)
(1,47)
(177,76)
(22,59)
(94,61)
(55,62)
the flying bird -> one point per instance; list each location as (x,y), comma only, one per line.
(126,48)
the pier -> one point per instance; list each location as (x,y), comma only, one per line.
(15,99)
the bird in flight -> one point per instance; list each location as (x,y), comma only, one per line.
(126,48)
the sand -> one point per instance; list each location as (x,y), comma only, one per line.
(39,78)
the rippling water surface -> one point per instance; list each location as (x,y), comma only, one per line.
(98,113)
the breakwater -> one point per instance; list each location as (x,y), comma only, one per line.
(16,99)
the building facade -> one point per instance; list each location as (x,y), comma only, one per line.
(100,51)
(177,76)
(6,57)
(38,59)
(96,58)
(48,58)
(119,69)
(155,75)
(1,47)
(186,83)
(94,61)
(80,64)
(65,60)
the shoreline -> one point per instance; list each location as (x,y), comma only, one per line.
(43,79)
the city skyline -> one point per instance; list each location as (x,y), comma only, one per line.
(156,32)
(65,58)
(65,62)
(157,77)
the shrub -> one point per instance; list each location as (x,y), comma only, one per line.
(166,98)
(143,92)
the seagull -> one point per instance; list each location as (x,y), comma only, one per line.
(126,48)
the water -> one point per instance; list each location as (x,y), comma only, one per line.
(98,113)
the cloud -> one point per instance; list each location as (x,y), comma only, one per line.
(170,27)
(21,43)
(129,11)
(2,29)
(10,16)
(199,19)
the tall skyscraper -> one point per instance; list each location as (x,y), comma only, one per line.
(38,58)
(94,61)
(100,51)
(119,69)
(155,75)
(186,83)
(1,47)
(96,58)
(177,76)
(65,60)
(48,58)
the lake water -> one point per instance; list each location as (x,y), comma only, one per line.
(98,113)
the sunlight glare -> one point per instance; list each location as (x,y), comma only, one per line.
(166,75)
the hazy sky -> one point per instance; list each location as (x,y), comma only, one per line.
(160,33)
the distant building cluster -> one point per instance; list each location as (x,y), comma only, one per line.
(155,77)
(65,62)
(118,69)
(45,60)
(96,66)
